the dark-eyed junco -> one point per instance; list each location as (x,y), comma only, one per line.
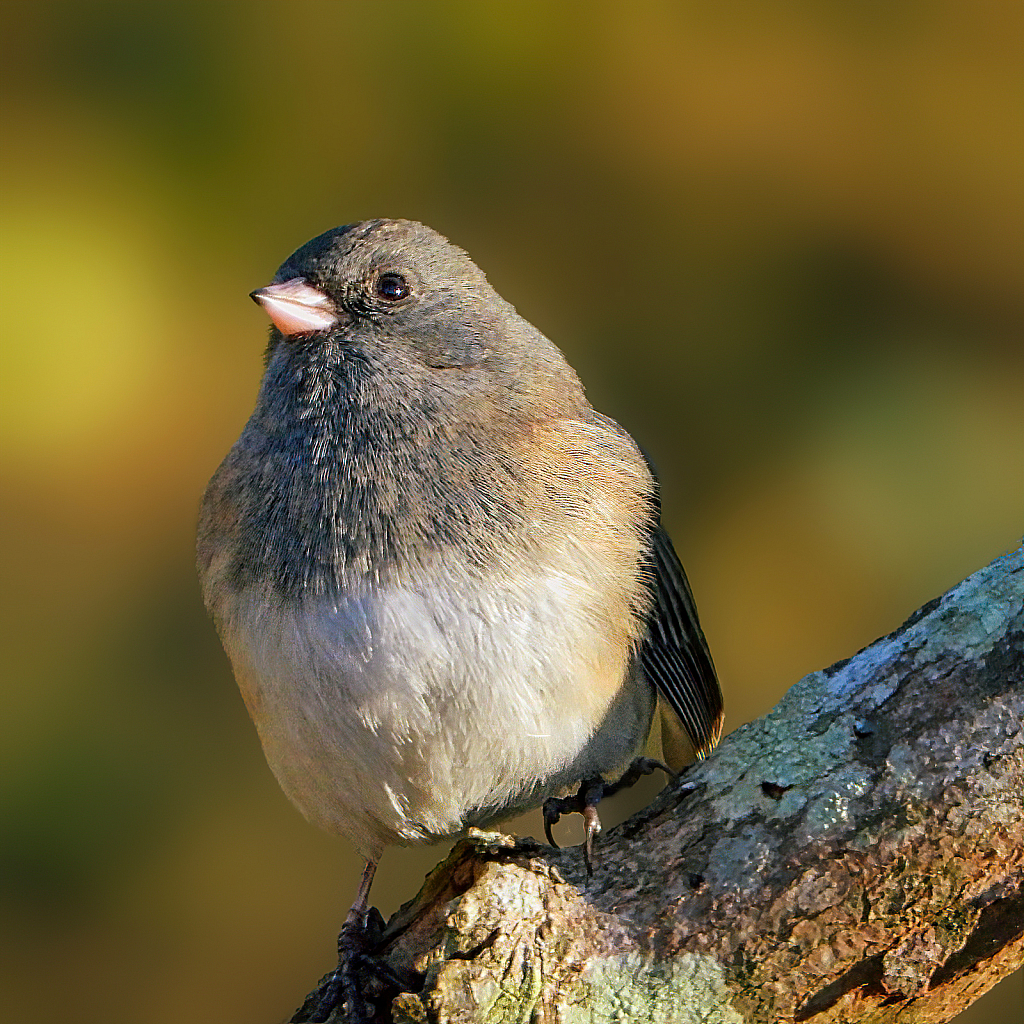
(439,574)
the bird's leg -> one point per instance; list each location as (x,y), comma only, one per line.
(357,936)
(591,792)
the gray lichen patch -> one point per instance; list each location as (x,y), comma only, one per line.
(780,749)
(829,813)
(738,863)
(688,989)
(871,676)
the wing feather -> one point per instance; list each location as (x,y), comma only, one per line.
(675,653)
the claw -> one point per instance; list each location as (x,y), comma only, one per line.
(592,825)
(551,816)
(588,796)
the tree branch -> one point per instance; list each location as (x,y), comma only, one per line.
(857,854)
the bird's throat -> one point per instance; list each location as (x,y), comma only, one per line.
(347,478)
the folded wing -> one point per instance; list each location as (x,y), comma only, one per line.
(675,654)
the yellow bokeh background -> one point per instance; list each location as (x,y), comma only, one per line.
(782,244)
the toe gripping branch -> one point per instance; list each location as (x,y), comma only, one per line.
(591,792)
(359,975)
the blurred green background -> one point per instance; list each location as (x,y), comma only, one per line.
(782,244)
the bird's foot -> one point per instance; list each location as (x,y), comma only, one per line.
(359,975)
(591,792)
(640,767)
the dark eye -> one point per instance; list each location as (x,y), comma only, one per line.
(392,287)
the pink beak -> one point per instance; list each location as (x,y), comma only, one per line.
(296,307)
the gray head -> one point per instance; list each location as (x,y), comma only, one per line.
(400,290)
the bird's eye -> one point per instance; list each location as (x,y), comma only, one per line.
(392,287)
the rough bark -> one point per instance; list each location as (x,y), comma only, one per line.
(855,855)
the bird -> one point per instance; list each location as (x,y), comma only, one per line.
(439,574)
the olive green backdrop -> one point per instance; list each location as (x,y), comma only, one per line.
(781,243)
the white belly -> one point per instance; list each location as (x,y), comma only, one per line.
(404,716)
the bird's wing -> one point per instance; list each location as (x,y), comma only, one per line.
(675,654)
